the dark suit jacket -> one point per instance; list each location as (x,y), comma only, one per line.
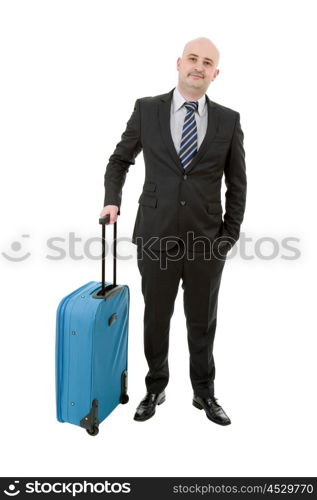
(175,201)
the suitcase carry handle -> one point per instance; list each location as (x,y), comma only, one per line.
(104,221)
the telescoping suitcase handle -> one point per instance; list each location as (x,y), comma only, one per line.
(104,221)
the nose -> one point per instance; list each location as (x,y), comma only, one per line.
(198,67)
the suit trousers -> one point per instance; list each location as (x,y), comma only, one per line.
(161,273)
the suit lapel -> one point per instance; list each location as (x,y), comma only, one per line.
(164,117)
(165,124)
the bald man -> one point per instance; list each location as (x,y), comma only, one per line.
(190,143)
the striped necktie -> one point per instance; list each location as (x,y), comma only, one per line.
(188,146)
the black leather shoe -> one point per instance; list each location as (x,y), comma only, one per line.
(146,408)
(213,410)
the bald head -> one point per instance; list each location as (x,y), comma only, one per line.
(197,67)
(205,46)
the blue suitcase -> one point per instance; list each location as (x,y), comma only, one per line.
(91,349)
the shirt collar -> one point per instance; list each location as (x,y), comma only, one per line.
(178,101)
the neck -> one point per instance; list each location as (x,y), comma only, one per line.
(190,95)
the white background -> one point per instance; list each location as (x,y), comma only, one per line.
(70,74)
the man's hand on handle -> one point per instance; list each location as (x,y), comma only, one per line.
(112,210)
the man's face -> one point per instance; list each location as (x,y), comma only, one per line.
(197,68)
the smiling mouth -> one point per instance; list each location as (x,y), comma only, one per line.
(196,76)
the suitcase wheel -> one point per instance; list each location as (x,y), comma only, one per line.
(124,398)
(94,431)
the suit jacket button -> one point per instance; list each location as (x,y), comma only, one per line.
(185,177)
(183,202)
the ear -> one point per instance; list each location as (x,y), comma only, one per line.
(216,73)
(179,59)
